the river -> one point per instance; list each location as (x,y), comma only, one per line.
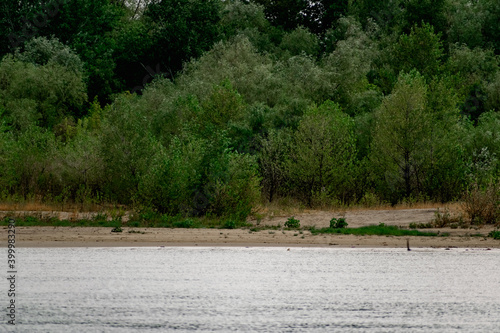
(257,289)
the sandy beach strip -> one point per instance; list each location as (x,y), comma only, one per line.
(133,237)
(103,237)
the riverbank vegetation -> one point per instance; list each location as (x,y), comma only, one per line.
(205,109)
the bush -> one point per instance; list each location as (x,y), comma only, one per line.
(415,225)
(481,205)
(445,219)
(292,222)
(494,234)
(338,223)
(188,223)
(116,229)
(237,188)
(229,224)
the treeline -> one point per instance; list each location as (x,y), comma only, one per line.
(198,107)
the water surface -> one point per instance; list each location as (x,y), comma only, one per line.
(256,289)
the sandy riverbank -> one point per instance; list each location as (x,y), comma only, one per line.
(101,237)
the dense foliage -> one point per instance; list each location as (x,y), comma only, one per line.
(199,107)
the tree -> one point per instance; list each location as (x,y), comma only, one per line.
(385,13)
(273,152)
(445,171)
(181,30)
(474,71)
(483,150)
(87,26)
(422,50)
(42,95)
(50,51)
(127,147)
(402,137)
(317,16)
(322,154)
(475,23)
(300,41)
(349,64)
(431,12)
(33,157)
(466,21)
(286,14)
(491,29)
(19,22)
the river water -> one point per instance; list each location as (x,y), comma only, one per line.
(224,289)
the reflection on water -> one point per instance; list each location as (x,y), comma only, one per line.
(257,289)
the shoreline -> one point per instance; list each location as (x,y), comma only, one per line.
(56,237)
(275,236)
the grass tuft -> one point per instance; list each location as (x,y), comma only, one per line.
(380,230)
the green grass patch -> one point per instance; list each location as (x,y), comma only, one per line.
(494,234)
(146,220)
(379,230)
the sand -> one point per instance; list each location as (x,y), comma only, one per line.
(103,237)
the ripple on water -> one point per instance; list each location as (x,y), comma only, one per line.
(257,289)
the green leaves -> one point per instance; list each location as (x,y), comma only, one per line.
(422,50)
(182,30)
(401,139)
(40,95)
(322,153)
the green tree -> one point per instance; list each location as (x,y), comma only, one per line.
(385,13)
(466,21)
(474,71)
(248,19)
(491,29)
(8,176)
(349,64)
(431,12)
(127,147)
(41,95)
(80,166)
(317,16)
(171,180)
(46,51)
(286,14)
(483,150)
(133,42)
(33,157)
(274,149)
(445,172)
(421,50)
(322,155)
(182,30)
(300,41)
(493,94)
(402,137)
(19,22)
(87,26)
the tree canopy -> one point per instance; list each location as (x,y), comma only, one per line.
(192,107)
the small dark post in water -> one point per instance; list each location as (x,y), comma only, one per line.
(408,244)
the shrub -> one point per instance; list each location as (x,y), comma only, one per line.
(116,229)
(481,205)
(444,219)
(292,222)
(338,223)
(415,225)
(229,224)
(235,196)
(188,223)
(494,234)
